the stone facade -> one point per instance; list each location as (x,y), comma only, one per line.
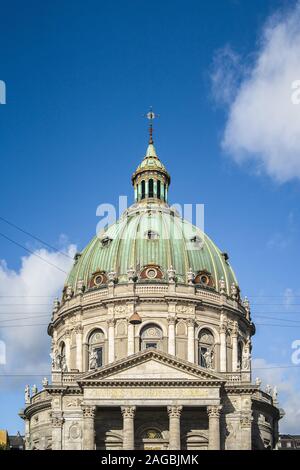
(156,358)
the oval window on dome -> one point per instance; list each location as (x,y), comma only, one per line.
(151,273)
(204,278)
(99,278)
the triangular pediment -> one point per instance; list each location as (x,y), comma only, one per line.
(151,365)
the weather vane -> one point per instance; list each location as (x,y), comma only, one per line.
(151,115)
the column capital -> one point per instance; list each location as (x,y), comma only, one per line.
(88,411)
(174,411)
(57,420)
(190,322)
(171,320)
(111,322)
(246,419)
(128,411)
(78,328)
(214,411)
(67,333)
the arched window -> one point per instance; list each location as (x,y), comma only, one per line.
(151,193)
(63,358)
(240,354)
(152,434)
(96,349)
(143,195)
(158,189)
(206,349)
(151,337)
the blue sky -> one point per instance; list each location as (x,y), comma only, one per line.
(79,76)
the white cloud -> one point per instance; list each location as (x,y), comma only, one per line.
(26,298)
(287,383)
(263,124)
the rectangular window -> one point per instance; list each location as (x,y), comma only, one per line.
(99,353)
(151,345)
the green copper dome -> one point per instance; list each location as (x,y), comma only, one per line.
(152,234)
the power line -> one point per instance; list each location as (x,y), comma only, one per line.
(24,318)
(33,253)
(279,319)
(21,326)
(34,237)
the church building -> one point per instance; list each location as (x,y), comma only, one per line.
(151,341)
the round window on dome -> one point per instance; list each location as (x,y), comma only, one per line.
(204,279)
(151,273)
(98,280)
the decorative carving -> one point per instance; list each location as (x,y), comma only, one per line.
(222,285)
(75,431)
(190,276)
(120,309)
(174,411)
(88,411)
(258,381)
(128,411)
(56,305)
(275,395)
(112,277)
(268,389)
(80,286)
(246,419)
(214,411)
(27,394)
(171,274)
(184,309)
(45,382)
(131,274)
(57,421)
(234,291)
(69,292)
(93,359)
(171,320)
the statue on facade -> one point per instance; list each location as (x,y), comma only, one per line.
(258,381)
(93,359)
(45,382)
(208,358)
(27,394)
(171,274)
(268,389)
(190,276)
(34,390)
(222,285)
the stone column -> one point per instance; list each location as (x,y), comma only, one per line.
(88,414)
(191,339)
(57,422)
(78,331)
(68,349)
(111,340)
(171,335)
(130,339)
(213,412)
(234,337)
(223,355)
(174,426)
(128,413)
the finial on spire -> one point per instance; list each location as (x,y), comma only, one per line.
(151,115)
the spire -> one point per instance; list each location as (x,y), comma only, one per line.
(151,179)
(151,152)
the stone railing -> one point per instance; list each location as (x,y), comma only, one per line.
(65,378)
(151,289)
(233,378)
(42,395)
